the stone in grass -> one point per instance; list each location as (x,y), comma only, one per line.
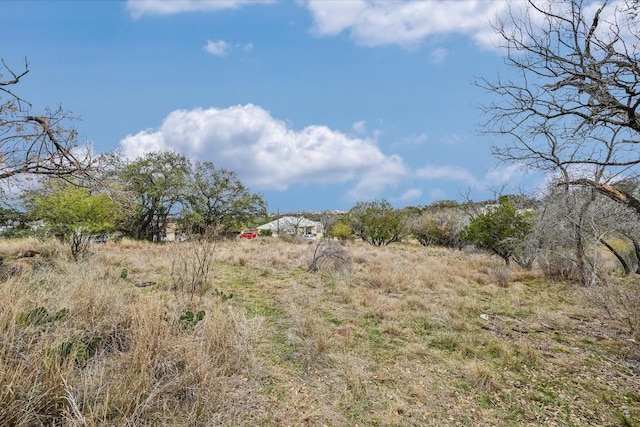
(144,284)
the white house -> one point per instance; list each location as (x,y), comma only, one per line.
(293,225)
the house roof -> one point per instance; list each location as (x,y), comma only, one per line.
(289,222)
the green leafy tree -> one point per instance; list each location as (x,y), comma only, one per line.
(74,214)
(501,230)
(378,223)
(158,184)
(341,229)
(219,200)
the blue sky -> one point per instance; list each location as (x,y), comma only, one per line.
(317,105)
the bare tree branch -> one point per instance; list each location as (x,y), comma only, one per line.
(37,144)
(608,191)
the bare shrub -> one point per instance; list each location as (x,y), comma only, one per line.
(501,275)
(191,263)
(621,300)
(556,266)
(329,255)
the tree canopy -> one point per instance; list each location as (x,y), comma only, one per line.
(73,213)
(378,223)
(501,230)
(158,182)
(218,199)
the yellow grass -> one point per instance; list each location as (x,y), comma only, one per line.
(409,336)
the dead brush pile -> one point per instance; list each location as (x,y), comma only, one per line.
(406,335)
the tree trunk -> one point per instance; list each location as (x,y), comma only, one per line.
(636,246)
(625,265)
(580,257)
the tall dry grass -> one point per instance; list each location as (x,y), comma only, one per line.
(121,355)
(407,336)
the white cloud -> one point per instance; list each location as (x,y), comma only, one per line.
(146,141)
(374,180)
(222,48)
(359,126)
(217,48)
(138,8)
(267,154)
(407,23)
(520,11)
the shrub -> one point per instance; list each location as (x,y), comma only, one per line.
(329,255)
(620,298)
(191,264)
(341,230)
(501,230)
(378,223)
(440,227)
(556,266)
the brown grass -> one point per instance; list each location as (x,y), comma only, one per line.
(408,336)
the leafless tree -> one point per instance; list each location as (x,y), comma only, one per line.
(570,99)
(326,220)
(573,229)
(43,143)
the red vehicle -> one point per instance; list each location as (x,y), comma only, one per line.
(249,235)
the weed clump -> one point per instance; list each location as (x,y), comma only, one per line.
(329,255)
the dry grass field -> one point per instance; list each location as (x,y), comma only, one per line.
(407,336)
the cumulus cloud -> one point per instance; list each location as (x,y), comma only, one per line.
(138,8)
(267,154)
(378,23)
(217,48)
(373,180)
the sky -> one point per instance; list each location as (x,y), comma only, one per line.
(315,104)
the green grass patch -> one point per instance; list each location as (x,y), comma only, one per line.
(331,318)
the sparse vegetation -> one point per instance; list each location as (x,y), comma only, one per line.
(407,336)
(191,264)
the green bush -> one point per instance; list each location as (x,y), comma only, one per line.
(501,230)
